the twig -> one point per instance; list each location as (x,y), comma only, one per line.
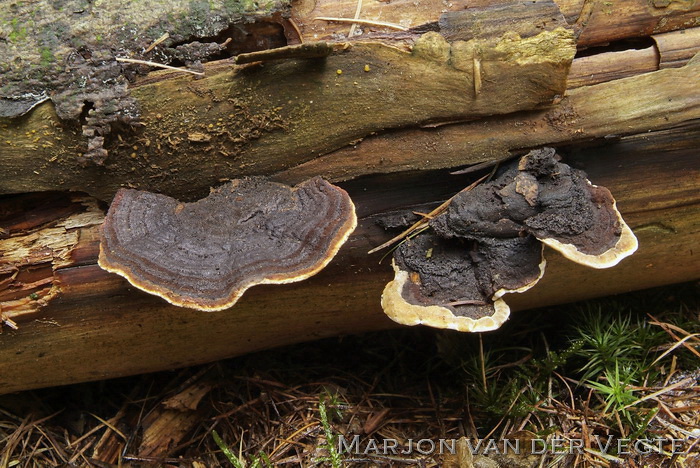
(464,302)
(660,392)
(296,29)
(512,404)
(156,42)
(429,216)
(362,21)
(357,16)
(158,65)
(8,322)
(676,345)
(413,234)
(481,165)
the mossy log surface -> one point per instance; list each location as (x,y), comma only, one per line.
(264,118)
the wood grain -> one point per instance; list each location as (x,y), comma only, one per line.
(663,98)
(263,118)
(386,123)
(101,327)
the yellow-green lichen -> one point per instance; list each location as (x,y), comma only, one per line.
(557,46)
(432,46)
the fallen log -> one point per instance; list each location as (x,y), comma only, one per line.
(663,98)
(40,153)
(267,118)
(261,119)
(95,325)
(401,120)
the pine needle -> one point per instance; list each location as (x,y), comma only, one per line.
(357,16)
(362,21)
(158,65)
(437,211)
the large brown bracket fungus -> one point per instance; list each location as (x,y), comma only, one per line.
(485,244)
(204,255)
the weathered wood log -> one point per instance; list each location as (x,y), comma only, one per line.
(670,50)
(263,119)
(664,98)
(95,325)
(179,139)
(596,22)
(401,119)
(266,119)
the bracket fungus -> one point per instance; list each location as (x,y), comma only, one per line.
(458,284)
(485,244)
(205,254)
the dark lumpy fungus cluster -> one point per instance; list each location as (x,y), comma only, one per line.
(537,196)
(489,242)
(463,274)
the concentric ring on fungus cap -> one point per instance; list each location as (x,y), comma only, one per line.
(204,255)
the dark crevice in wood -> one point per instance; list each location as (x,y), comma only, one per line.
(630,44)
(242,37)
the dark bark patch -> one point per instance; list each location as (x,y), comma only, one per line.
(67,51)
